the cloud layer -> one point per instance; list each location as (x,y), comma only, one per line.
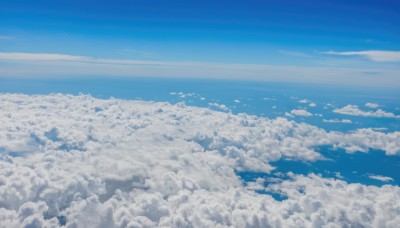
(50,65)
(117,163)
(373,55)
(353,110)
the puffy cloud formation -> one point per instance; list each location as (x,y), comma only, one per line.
(304,101)
(353,110)
(335,203)
(87,162)
(300,112)
(371,105)
(219,106)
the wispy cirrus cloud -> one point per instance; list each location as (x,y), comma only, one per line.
(40,56)
(373,55)
(42,65)
(381,178)
(20,56)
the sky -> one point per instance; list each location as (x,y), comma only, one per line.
(340,42)
(106,119)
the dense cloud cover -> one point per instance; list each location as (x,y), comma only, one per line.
(87,162)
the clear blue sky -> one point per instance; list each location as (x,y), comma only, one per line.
(264,36)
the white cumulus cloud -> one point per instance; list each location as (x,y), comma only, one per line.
(371,105)
(304,101)
(121,163)
(301,112)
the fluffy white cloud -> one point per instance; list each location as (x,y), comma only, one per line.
(335,203)
(353,110)
(304,101)
(300,112)
(371,105)
(219,106)
(289,115)
(119,163)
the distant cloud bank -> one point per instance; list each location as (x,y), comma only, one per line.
(353,110)
(45,65)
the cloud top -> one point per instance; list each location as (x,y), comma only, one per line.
(120,163)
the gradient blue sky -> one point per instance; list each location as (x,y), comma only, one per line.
(343,42)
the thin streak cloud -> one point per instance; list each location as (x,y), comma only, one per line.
(373,55)
(44,65)
(40,57)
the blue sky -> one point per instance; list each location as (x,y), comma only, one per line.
(343,42)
